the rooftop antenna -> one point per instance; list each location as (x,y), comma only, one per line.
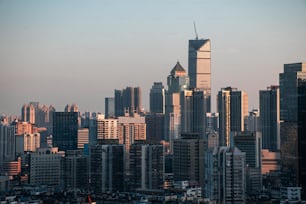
(195,30)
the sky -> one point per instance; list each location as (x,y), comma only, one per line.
(60,52)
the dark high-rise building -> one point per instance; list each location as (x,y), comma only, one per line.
(75,170)
(128,99)
(65,130)
(270,118)
(233,108)
(146,166)
(157,98)
(109,107)
(155,127)
(189,158)
(193,111)
(292,131)
(107,168)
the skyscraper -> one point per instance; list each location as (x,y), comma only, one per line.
(109,107)
(189,158)
(157,98)
(292,132)
(233,108)
(28,113)
(106,128)
(128,99)
(228,176)
(199,67)
(177,81)
(146,166)
(193,112)
(107,168)
(65,130)
(270,118)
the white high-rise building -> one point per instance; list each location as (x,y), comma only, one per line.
(106,128)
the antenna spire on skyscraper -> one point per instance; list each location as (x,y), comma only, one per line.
(195,30)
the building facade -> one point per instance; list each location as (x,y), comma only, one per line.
(157,98)
(269,105)
(65,130)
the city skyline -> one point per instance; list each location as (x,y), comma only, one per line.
(63,52)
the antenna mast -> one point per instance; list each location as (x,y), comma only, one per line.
(195,30)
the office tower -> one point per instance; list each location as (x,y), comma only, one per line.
(45,167)
(157,98)
(28,113)
(107,168)
(106,128)
(252,121)
(128,99)
(83,137)
(189,158)
(155,127)
(193,112)
(75,170)
(146,167)
(232,106)
(270,118)
(31,142)
(7,142)
(65,130)
(229,185)
(177,81)
(199,67)
(109,107)
(292,132)
(250,143)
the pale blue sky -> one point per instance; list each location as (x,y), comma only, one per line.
(58,52)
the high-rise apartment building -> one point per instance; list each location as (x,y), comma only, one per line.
(146,167)
(65,130)
(7,142)
(109,107)
(233,108)
(106,128)
(157,98)
(228,177)
(128,99)
(269,106)
(177,81)
(107,168)
(292,84)
(189,158)
(83,137)
(28,113)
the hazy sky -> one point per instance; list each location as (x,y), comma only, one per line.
(59,52)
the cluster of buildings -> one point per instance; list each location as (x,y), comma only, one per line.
(230,156)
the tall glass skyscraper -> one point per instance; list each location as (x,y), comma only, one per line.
(292,131)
